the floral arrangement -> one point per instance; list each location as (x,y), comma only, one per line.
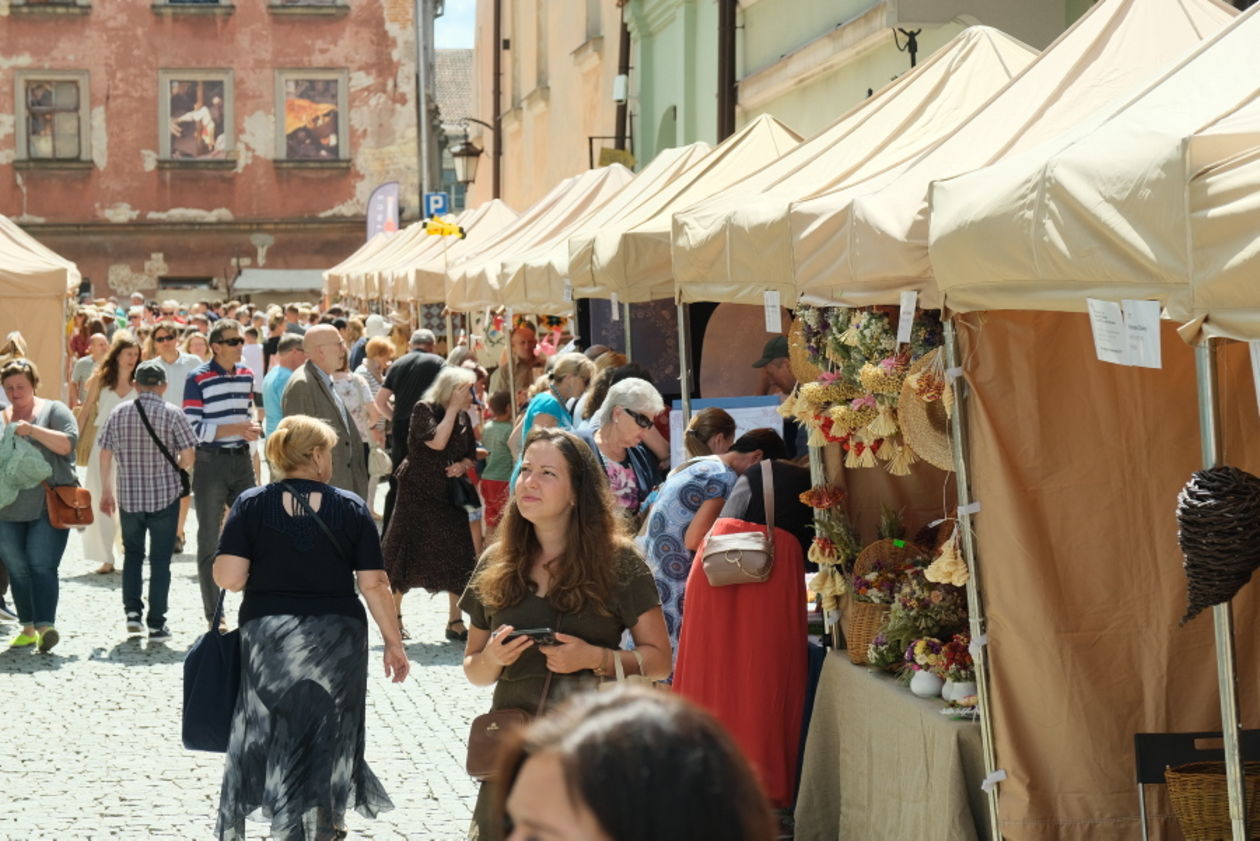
(854,401)
(879,586)
(931,608)
(823,497)
(956,656)
(924,655)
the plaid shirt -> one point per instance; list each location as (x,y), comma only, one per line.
(146,481)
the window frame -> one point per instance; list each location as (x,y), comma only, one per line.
(83,78)
(342,77)
(200,74)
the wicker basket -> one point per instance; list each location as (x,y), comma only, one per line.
(1201,803)
(861,622)
(886,553)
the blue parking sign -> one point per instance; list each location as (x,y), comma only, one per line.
(435,204)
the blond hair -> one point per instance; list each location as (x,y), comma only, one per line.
(573,365)
(449,378)
(293,444)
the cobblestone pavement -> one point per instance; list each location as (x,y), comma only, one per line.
(90,744)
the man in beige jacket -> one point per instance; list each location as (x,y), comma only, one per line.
(310,392)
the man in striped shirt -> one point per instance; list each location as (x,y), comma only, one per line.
(218,401)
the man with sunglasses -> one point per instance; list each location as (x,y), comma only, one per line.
(218,399)
(178,365)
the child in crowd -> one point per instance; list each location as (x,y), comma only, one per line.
(494,438)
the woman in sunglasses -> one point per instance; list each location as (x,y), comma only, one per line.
(625,417)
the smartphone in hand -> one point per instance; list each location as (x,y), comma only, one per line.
(540,636)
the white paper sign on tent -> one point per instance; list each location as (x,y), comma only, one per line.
(1107,323)
(1141,329)
(905,324)
(774,318)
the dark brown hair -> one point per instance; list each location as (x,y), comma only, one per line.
(649,765)
(107,372)
(20,366)
(584,574)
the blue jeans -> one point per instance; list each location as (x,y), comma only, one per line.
(32,552)
(160,527)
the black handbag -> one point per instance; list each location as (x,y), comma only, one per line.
(462,493)
(185,483)
(212,681)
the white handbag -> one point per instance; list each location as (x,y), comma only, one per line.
(745,557)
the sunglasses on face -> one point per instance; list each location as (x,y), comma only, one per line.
(643,421)
(160,339)
(230,342)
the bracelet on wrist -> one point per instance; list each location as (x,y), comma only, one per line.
(602,670)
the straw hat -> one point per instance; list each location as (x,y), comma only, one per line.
(924,425)
(798,356)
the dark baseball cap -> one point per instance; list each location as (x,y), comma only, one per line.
(776,348)
(150,373)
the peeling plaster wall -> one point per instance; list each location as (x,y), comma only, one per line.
(129,204)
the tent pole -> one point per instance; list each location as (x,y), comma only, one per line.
(684,363)
(511,364)
(975,606)
(625,326)
(450,332)
(1222,614)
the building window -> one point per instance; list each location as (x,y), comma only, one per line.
(195,117)
(313,112)
(166,282)
(594,19)
(57,124)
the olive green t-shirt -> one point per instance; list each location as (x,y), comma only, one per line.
(520,684)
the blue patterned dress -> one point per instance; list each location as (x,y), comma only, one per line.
(676,505)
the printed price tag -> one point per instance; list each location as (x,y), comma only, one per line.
(1107,323)
(616,307)
(900,544)
(774,316)
(909,302)
(1141,330)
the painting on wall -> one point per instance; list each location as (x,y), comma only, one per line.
(311,119)
(197,121)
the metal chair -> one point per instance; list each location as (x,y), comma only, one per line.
(1153,753)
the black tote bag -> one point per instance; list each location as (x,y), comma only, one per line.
(212,680)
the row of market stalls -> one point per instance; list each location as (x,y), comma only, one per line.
(35,284)
(1006,188)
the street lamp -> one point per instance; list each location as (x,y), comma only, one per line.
(466,155)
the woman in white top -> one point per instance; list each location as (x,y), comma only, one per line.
(112,384)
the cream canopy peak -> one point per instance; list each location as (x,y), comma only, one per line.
(736,244)
(865,246)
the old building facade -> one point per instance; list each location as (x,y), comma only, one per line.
(164,146)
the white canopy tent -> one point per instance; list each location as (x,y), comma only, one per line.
(34,285)
(736,244)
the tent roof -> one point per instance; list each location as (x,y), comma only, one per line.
(278,280)
(29,269)
(536,280)
(736,244)
(1152,203)
(866,246)
(336,278)
(630,256)
(474,283)
(484,224)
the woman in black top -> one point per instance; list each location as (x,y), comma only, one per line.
(295,753)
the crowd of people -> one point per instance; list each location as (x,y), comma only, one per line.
(538,496)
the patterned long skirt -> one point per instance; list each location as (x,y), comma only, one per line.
(295,754)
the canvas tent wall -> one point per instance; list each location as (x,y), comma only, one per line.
(865,244)
(34,285)
(737,244)
(428,287)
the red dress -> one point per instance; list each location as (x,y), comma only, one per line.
(742,656)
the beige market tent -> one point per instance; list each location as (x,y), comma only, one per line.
(630,256)
(538,281)
(34,284)
(483,225)
(867,244)
(337,280)
(371,279)
(737,244)
(471,283)
(1156,202)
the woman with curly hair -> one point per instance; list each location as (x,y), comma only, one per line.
(110,386)
(560,562)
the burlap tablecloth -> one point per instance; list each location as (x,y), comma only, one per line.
(883,765)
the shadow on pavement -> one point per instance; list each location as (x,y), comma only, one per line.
(138,651)
(25,661)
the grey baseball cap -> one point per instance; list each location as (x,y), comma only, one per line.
(150,373)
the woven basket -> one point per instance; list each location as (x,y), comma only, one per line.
(861,622)
(886,553)
(1201,803)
